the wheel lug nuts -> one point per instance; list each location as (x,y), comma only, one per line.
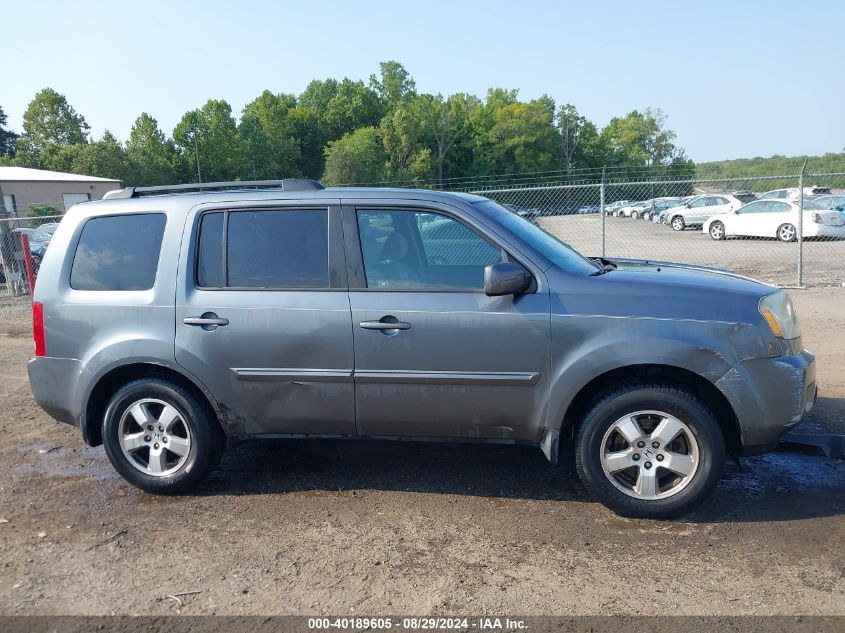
(655,444)
(147,438)
(155,445)
(647,464)
(149,427)
(660,458)
(161,429)
(164,439)
(640,444)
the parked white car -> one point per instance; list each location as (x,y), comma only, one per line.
(791,193)
(610,209)
(698,210)
(775,218)
(634,210)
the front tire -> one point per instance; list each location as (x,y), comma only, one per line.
(159,437)
(635,215)
(678,223)
(717,231)
(650,451)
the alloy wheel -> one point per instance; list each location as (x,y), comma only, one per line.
(649,455)
(154,437)
(786,233)
(717,230)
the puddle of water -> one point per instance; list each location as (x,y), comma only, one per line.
(53,460)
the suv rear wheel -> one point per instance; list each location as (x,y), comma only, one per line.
(650,451)
(159,437)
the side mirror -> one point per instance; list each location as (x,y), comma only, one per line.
(688,205)
(506,278)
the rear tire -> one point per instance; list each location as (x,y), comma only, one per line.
(678,223)
(787,233)
(635,215)
(632,476)
(159,437)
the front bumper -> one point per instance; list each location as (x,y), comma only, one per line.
(770,396)
(57,385)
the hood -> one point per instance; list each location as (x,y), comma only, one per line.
(674,274)
(665,290)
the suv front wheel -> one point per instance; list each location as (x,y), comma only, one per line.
(159,437)
(650,451)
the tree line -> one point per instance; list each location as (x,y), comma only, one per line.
(346,132)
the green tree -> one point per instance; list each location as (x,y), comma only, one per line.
(7,137)
(522,138)
(306,126)
(353,106)
(222,151)
(640,138)
(317,95)
(51,120)
(407,136)
(105,158)
(152,156)
(450,123)
(394,84)
(358,157)
(270,136)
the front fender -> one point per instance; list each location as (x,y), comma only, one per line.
(584,349)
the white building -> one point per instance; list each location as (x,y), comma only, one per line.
(22,187)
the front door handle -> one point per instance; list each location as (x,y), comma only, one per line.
(385,323)
(207,320)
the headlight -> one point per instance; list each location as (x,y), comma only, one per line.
(779,313)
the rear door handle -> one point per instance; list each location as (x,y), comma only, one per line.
(207,319)
(386,323)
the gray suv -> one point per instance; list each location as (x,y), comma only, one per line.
(168,318)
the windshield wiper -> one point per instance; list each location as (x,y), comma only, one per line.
(606,265)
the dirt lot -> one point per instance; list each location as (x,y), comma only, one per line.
(374,529)
(768,260)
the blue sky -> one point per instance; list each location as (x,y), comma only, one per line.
(736,79)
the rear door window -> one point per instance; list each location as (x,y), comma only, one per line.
(119,252)
(266,249)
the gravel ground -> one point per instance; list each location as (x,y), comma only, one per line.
(307,527)
(768,260)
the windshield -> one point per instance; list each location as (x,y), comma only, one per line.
(559,253)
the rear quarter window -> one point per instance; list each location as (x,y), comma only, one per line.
(118,252)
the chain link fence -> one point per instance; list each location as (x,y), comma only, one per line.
(17,236)
(786,230)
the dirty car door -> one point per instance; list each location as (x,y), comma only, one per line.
(263,320)
(434,355)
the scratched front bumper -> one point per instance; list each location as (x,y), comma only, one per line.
(770,396)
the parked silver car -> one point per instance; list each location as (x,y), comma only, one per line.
(166,319)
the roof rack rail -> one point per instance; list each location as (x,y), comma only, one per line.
(286,184)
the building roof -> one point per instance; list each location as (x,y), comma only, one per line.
(26,174)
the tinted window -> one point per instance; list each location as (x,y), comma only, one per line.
(210,251)
(278,249)
(419,250)
(118,253)
(753,207)
(778,207)
(701,202)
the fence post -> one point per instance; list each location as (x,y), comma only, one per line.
(603,215)
(801,225)
(27,260)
